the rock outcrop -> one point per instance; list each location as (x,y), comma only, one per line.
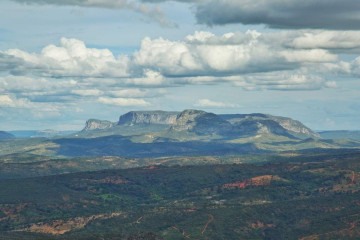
(295,127)
(274,124)
(201,122)
(148,117)
(95,124)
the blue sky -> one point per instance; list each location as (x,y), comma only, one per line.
(62,62)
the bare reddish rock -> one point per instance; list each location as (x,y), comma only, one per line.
(264,180)
(59,227)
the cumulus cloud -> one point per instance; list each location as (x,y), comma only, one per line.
(71,58)
(321,14)
(159,61)
(71,71)
(153,13)
(334,40)
(124,102)
(87,92)
(355,67)
(204,54)
(7,101)
(206,103)
(288,81)
(26,84)
(149,78)
(306,56)
(137,93)
(189,58)
(36,109)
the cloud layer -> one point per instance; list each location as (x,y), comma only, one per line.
(151,12)
(289,14)
(292,14)
(201,58)
(207,103)
(63,75)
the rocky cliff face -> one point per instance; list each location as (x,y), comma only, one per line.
(187,120)
(148,117)
(293,127)
(255,127)
(201,122)
(5,135)
(95,124)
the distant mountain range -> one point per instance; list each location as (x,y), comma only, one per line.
(48,133)
(340,134)
(188,133)
(204,123)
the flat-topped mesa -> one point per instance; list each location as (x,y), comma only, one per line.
(204,123)
(95,124)
(148,117)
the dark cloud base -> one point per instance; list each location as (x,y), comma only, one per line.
(290,14)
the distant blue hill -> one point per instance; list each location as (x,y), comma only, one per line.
(340,134)
(5,135)
(39,133)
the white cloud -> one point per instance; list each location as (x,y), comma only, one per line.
(36,109)
(306,56)
(87,92)
(71,59)
(172,58)
(337,40)
(331,84)
(355,66)
(233,53)
(27,84)
(124,102)
(284,60)
(6,101)
(137,93)
(149,78)
(282,81)
(206,103)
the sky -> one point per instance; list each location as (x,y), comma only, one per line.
(65,61)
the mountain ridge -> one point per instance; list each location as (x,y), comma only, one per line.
(206,123)
(96,124)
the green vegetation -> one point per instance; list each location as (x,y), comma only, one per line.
(310,196)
